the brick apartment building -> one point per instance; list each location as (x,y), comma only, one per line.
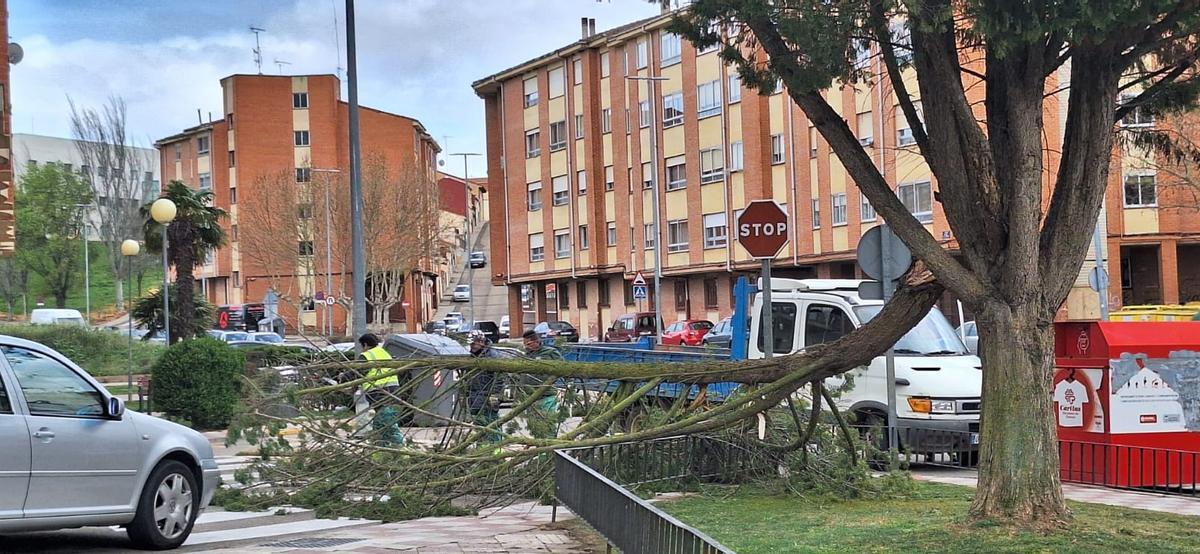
(293,126)
(8,186)
(570,168)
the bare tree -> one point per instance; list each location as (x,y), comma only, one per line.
(1170,149)
(115,170)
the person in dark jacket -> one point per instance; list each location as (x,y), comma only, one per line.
(483,387)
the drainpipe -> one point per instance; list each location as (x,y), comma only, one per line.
(729,222)
(791,179)
(572,198)
(504,176)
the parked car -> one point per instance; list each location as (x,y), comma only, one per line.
(504,327)
(74,456)
(478,259)
(488,328)
(462,293)
(970,336)
(340,347)
(557,330)
(629,327)
(452,320)
(689,332)
(216,334)
(269,338)
(233,336)
(56,316)
(249,344)
(435,327)
(721,335)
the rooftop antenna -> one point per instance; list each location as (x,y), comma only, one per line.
(280,63)
(337,39)
(257,47)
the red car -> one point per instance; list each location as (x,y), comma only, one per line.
(690,332)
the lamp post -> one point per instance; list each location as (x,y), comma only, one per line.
(358,253)
(653,98)
(163,211)
(470,232)
(328,251)
(87,272)
(129,249)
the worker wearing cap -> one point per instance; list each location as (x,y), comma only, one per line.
(483,387)
(380,389)
(544,423)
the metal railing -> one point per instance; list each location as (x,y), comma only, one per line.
(625,520)
(1130,467)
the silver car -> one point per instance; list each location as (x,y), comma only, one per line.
(72,456)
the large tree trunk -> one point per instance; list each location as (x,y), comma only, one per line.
(1019,466)
(183,317)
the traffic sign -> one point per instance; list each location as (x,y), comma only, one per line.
(640,292)
(1098,279)
(329,300)
(875,265)
(762,228)
(639,279)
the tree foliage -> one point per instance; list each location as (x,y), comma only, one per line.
(49,226)
(148,314)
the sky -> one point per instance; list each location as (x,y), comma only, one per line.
(166,57)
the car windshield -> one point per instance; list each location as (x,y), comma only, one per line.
(270,337)
(701,326)
(70,321)
(462,288)
(560,325)
(236,336)
(932,336)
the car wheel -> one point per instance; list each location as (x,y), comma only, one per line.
(167,509)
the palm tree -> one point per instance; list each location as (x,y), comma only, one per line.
(195,230)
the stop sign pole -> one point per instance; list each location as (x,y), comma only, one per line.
(762,230)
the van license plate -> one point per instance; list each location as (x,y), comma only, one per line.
(974,438)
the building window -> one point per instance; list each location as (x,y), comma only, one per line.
(300,100)
(583,237)
(643,54)
(776,149)
(672,110)
(632,240)
(735,88)
(628,127)
(305,248)
(232,159)
(647,176)
(918,198)
(533,146)
(563,292)
(562,244)
(681,295)
(862,54)
(201,145)
(581,294)
(708,95)
(715,230)
(301,138)
(644,114)
(581,179)
(676,173)
(608,178)
(1140,191)
(904,134)
(710,294)
(604,71)
(902,42)
(558,135)
(1138,117)
(205,181)
(560,190)
(531,92)
(233,195)
(558,81)
(837,215)
(303,175)
(577,70)
(712,165)
(672,48)
(677,235)
(629,301)
(578,127)
(606,120)
(735,156)
(602,293)
(533,195)
(649,236)
(612,234)
(866,132)
(178,154)
(816,213)
(233,233)
(537,250)
(866,209)
(812,143)
(304,211)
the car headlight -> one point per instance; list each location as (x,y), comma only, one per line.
(932,405)
(944,407)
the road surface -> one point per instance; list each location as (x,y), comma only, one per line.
(488,303)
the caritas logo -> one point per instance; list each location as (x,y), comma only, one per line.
(1069,396)
(1084,342)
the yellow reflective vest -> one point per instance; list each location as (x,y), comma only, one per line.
(375,374)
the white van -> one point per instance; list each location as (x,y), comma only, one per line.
(56,316)
(938,381)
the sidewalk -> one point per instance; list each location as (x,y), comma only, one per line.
(1172,504)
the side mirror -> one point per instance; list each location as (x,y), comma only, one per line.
(115,409)
(610,329)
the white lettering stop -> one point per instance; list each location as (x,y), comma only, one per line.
(763,229)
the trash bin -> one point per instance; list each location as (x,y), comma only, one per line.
(435,393)
(1127,403)
(1156,313)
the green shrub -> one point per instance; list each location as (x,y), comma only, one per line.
(199,381)
(100,353)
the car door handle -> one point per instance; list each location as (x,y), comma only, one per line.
(44,434)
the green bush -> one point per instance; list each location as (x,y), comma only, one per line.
(199,381)
(100,353)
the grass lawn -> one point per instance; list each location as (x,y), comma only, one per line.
(104,295)
(929,518)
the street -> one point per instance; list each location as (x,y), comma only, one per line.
(488,302)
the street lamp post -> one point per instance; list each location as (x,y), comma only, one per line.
(651,93)
(87,272)
(470,233)
(328,251)
(359,255)
(163,211)
(129,249)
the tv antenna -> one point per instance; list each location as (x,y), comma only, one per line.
(280,63)
(337,39)
(257,47)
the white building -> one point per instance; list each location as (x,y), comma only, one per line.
(31,150)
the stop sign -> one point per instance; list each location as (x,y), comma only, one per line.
(762,228)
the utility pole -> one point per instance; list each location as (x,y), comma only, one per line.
(328,249)
(87,271)
(652,100)
(470,231)
(359,265)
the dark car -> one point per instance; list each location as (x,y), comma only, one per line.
(478,259)
(721,335)
(435,327)
(557,330)
(488,328)
(629,327)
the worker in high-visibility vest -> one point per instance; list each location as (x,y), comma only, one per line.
(381,390)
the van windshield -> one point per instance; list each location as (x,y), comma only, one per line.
(933,336)
(70,321)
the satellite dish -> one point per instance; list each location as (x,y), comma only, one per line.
(15,53)
(442,163)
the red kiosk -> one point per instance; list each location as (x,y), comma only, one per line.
(1127,402)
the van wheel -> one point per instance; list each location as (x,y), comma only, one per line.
(167,509)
